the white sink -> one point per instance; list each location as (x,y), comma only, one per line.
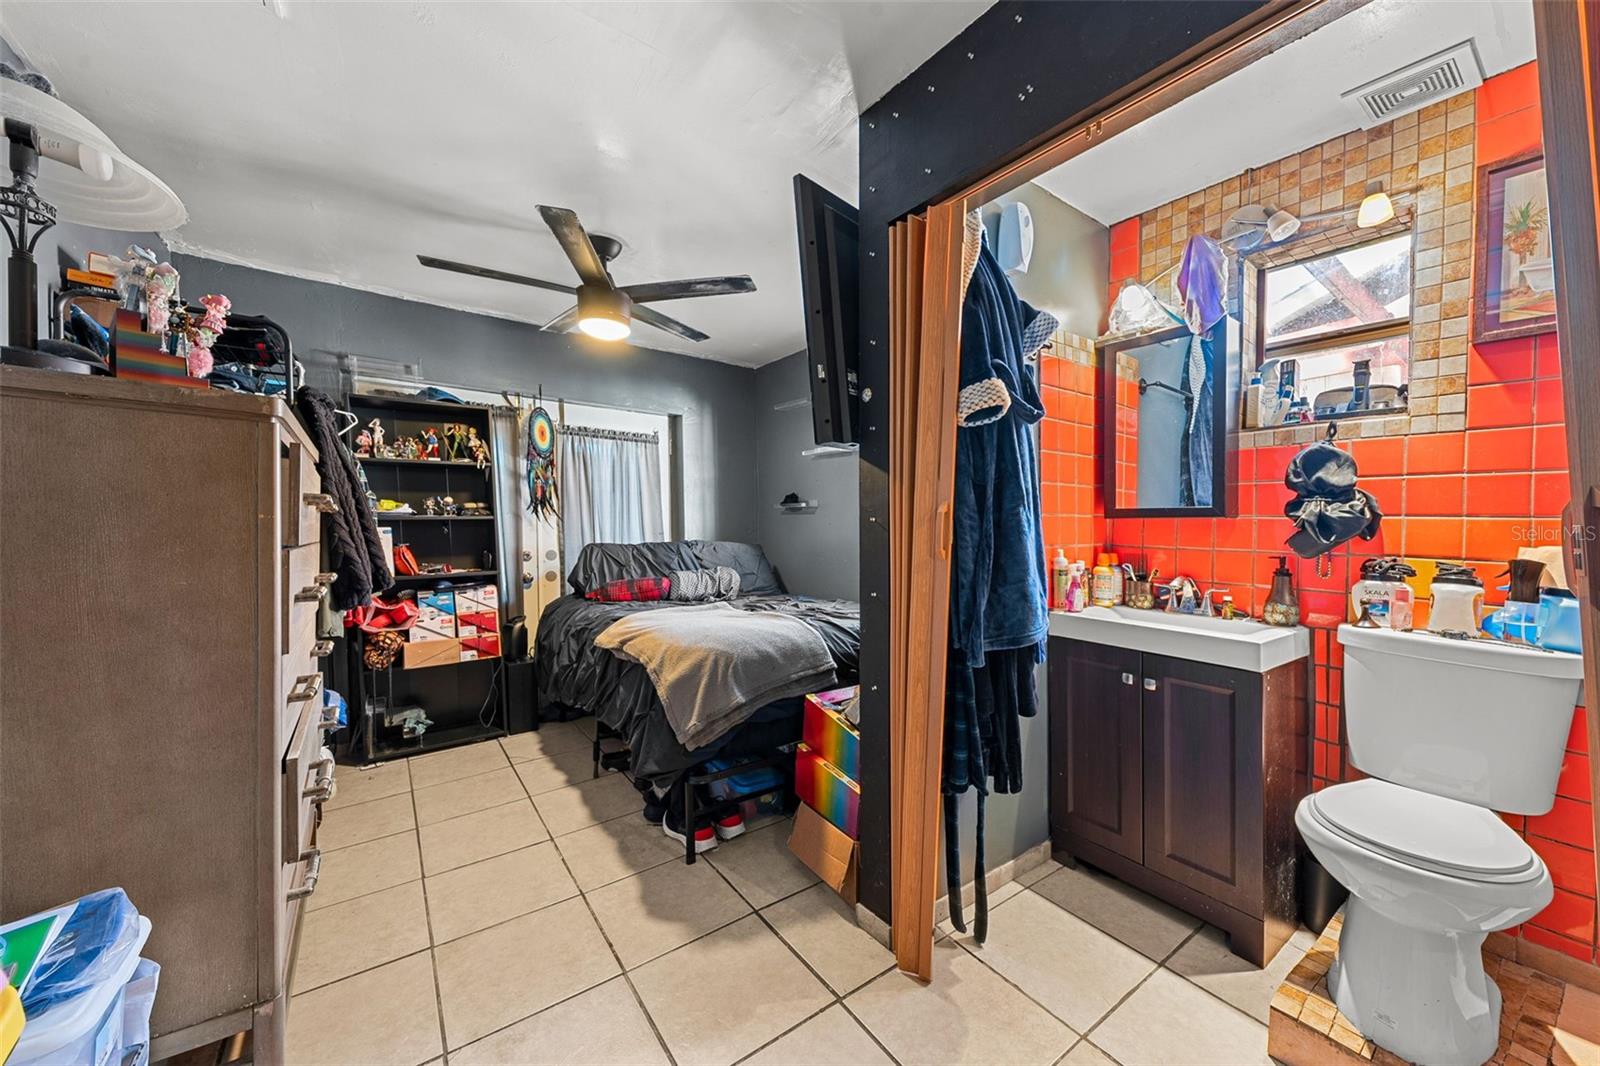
(1242,645)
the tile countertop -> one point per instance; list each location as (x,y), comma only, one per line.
(1235,643)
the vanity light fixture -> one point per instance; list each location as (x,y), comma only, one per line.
(1376,207)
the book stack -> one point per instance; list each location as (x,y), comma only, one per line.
(140,356)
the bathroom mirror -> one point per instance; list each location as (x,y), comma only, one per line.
(1169,409)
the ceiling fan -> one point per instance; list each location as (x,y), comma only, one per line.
(604,310)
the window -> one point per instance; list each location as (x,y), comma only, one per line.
(1344,318)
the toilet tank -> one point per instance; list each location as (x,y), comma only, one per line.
(1474,720)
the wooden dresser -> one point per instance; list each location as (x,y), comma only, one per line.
(160,689)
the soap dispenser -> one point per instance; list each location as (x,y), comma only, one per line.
(1283,608)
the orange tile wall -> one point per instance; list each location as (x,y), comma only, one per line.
(1475,496)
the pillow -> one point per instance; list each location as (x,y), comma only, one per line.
(756,575)
(600,564)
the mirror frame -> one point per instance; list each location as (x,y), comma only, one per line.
(1225,427)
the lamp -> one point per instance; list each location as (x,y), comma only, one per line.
(1376,207)
(64,165)
(604,313)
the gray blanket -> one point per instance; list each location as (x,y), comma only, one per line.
(713,665)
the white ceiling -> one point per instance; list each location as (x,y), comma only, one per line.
(1283,103)
(340,140)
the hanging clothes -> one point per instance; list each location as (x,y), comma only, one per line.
(999,617)
(355,550)
(997,577)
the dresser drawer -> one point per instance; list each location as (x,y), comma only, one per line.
(307,781)
(303,588)
(303,502)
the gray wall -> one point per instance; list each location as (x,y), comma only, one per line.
(1071,258)
(818,553)
(476,351)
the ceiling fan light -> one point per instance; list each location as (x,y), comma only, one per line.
(605,329)
(1282,225)
(1376,208)
(604,313)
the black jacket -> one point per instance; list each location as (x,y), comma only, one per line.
(355,551)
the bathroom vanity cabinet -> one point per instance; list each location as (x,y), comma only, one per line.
(1181,778)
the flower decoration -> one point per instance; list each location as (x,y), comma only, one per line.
(203,334)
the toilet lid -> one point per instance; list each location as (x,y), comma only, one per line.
(1419,828)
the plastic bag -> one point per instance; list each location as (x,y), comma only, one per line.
(93,945)
(1136,310)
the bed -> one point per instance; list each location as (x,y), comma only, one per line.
(576,676)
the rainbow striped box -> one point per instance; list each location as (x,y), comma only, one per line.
(825,789)
(829,734)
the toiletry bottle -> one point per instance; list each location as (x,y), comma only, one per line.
(1282,607)
(1077,591)
(1058,581)
(1119,584)
(1102,591)
(1457,596)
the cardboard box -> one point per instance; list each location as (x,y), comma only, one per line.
(484,645)
(417,654)
(436,616)
(826,789)
(830,854)
(827,733)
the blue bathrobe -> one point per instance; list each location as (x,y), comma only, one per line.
(997,594)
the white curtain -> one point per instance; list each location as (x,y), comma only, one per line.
(610,488)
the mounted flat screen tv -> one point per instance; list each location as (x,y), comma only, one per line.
(829,249)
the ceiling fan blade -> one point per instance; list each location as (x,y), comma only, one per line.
(562,322)
(671,325)
(494,275)
(689,287)
(575,242)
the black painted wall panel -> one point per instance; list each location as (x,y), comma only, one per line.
(1007,83)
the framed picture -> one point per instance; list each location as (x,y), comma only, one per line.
(1514,287)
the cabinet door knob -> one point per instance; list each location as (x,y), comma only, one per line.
(1127,679)
(1149,684)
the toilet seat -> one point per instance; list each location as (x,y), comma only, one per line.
(1425,831)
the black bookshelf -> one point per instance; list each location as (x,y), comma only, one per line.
(466,701)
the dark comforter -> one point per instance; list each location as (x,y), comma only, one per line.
(576,675)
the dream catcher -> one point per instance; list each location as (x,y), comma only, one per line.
(543,500)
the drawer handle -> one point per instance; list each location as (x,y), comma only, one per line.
(1149,684)
(306,687)
(313,858)
(321,501)
(1127,679)
(314,593)
(322,649)
(322,786)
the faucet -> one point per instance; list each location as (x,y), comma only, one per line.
(1205,602)
(1183,598)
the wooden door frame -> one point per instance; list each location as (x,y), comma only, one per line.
(922,511)
(1567,38)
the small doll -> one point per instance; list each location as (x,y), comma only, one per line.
(430,506)
(363,444)
(431,448)
(378,447)
(409,448)
(478,449)
(453,442)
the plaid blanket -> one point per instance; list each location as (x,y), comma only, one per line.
(632,588)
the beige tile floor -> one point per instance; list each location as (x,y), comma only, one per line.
(493,904)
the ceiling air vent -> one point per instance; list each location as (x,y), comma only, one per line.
(1446,73)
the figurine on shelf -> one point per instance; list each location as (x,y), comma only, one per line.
(410,448)
(430,448)
(454,441)
(430,506)
(479,451)
(363,445)
(449,506)
(378,448)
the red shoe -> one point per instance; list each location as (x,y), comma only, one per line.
(704,838)
(731,826)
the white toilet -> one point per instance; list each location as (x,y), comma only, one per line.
(1449,731)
